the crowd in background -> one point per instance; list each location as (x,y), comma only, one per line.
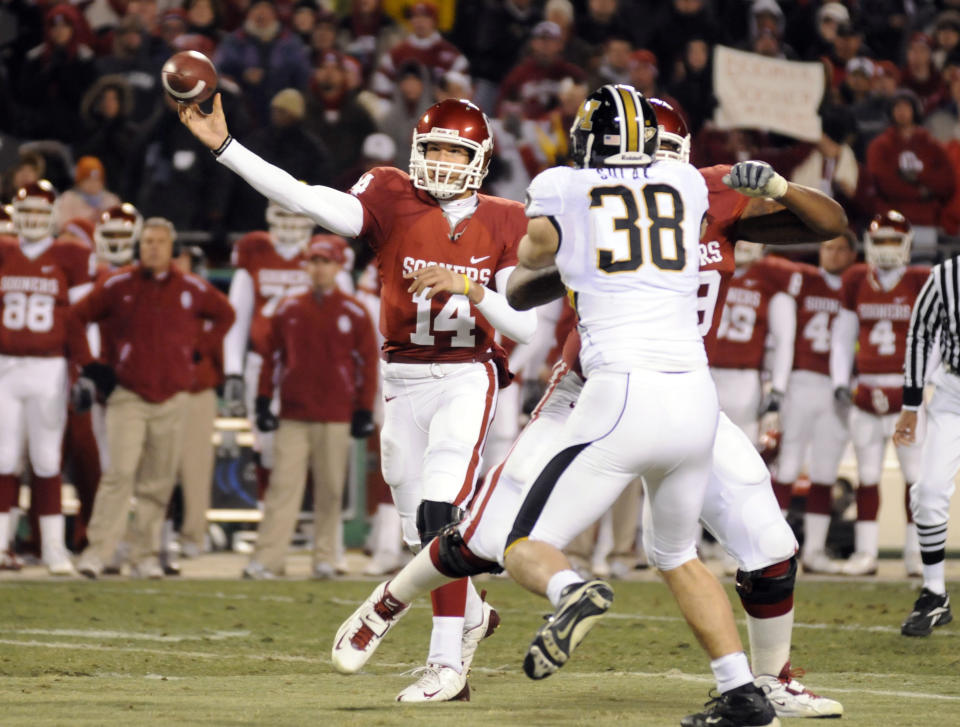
(326,89)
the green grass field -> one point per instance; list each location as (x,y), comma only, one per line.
(245,653)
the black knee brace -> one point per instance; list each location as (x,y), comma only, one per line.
(769,585)
(433,517)
(456,560)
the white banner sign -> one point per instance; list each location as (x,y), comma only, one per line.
(756,92)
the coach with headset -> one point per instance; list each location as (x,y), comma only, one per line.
(155,315)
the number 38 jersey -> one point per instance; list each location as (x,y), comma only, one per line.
(629,252)
(408,230)
(34,295)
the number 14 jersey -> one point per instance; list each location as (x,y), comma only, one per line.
(629,252)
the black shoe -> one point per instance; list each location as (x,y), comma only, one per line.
(744,706)
(931,609)
(581,606)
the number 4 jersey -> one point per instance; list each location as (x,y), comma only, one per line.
(34,295)
(408,230)
(629,252)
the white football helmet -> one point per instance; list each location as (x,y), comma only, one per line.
(746,253)
(288,229)
(888,226)
(34,216)
(117,232)
(453,121)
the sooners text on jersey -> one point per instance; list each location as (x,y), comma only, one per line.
(274,277)
(34,295)
(408,231)
(884,317)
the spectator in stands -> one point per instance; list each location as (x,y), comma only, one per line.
(55,76)
(548,138)
(920,75)
(847,45)
(424,44)
(830,17)
(946,37)
(157,340)
(204,18)
(944,123)
(694,92)
(334,115)
(412,96)
(575,49)
(303,19)
(492,36)
(173,23)
(679,23)
(378,150)
(886,79)
(285,142)
(30,167)
(884,23)
(177,178)
(766,18)
(324,41)
(644,76)
(614,65)
(868,109)
(604,18)
(88,196)
(530,90)
(109,134)
(325,344)
(137,56)
(911,171)
(264,58)
(368,32)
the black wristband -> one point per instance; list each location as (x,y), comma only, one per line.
(223,147)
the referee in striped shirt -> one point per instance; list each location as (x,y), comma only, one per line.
(936,312)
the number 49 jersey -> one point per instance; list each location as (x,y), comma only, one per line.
(629,252)
(34,295)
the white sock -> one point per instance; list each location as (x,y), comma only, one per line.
(731,671)
(866,537)
(445,641)
(911,543)
(559,581)
(933,577)
(4,531)
(417,577)
(52,544)
(770,642)
(815,527)
(15,514)
(473,611)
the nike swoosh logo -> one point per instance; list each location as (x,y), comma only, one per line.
(47,269)
(389,398)
(475,260)
(562,635)
(431,694)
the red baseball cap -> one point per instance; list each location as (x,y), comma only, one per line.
(330,247)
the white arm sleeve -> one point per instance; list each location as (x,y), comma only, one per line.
(337,211)
(515,324)
(843,344)
(235,342)
(79,291)
(93,339)
(783,325)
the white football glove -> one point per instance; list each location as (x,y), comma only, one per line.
(755,179)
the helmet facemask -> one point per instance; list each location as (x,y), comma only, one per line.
(746,253)
(886,256)
(445,180)
(33,219)
(289,230)
(673,146)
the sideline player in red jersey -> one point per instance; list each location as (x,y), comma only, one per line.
(809,417)
(443,251)
(268,266)
(739,509)
(39,277)
(871,333)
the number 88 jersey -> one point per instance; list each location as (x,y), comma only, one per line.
(34,295)
(629,251)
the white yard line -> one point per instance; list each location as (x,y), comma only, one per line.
(132,635)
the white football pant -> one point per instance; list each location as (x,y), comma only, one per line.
(740,393)
(33,408)
(813,434)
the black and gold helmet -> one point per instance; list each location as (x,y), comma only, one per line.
(615,126)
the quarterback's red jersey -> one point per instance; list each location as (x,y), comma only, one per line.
(35,297)
(884,317)
(408,231)
(817,307)
(274,277)
(716,249)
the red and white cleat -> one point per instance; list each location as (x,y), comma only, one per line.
(472,637)
(791,699)
(359,636)
(437,683)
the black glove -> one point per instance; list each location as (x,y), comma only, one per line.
(771,402)
(102,376)
(233,396)
(361,425)
(266,420)
(82,394)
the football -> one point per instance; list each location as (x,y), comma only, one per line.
(189,77)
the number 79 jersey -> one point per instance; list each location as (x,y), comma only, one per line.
(629,252)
